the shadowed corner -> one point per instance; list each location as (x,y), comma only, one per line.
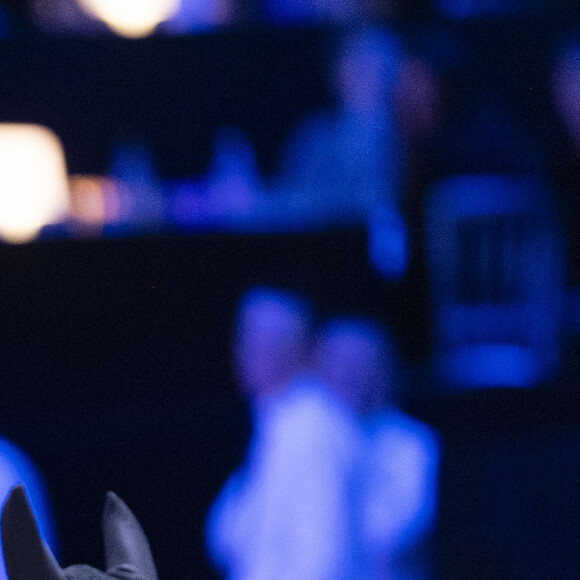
(25,555)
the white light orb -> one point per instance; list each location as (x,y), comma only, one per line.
(131,18)
(33,181)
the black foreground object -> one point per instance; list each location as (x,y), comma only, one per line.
(127,552)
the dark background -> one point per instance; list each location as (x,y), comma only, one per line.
(115,353)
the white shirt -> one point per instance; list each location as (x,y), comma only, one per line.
(398,489)
(290,512)
(319,498)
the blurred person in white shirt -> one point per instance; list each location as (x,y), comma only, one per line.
(285,513)
(396,482)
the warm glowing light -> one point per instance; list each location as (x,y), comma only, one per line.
(93,199)
(132,18)
(33,181)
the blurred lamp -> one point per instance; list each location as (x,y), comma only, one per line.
(33,181)
(131,18)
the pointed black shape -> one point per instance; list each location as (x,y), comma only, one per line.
(25,555)
(125,541)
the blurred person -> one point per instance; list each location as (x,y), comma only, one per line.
(271,341)
(563,142)
(560,131)
(458,116)
(396,475)
(422,106)
(342,165)
(285,513)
